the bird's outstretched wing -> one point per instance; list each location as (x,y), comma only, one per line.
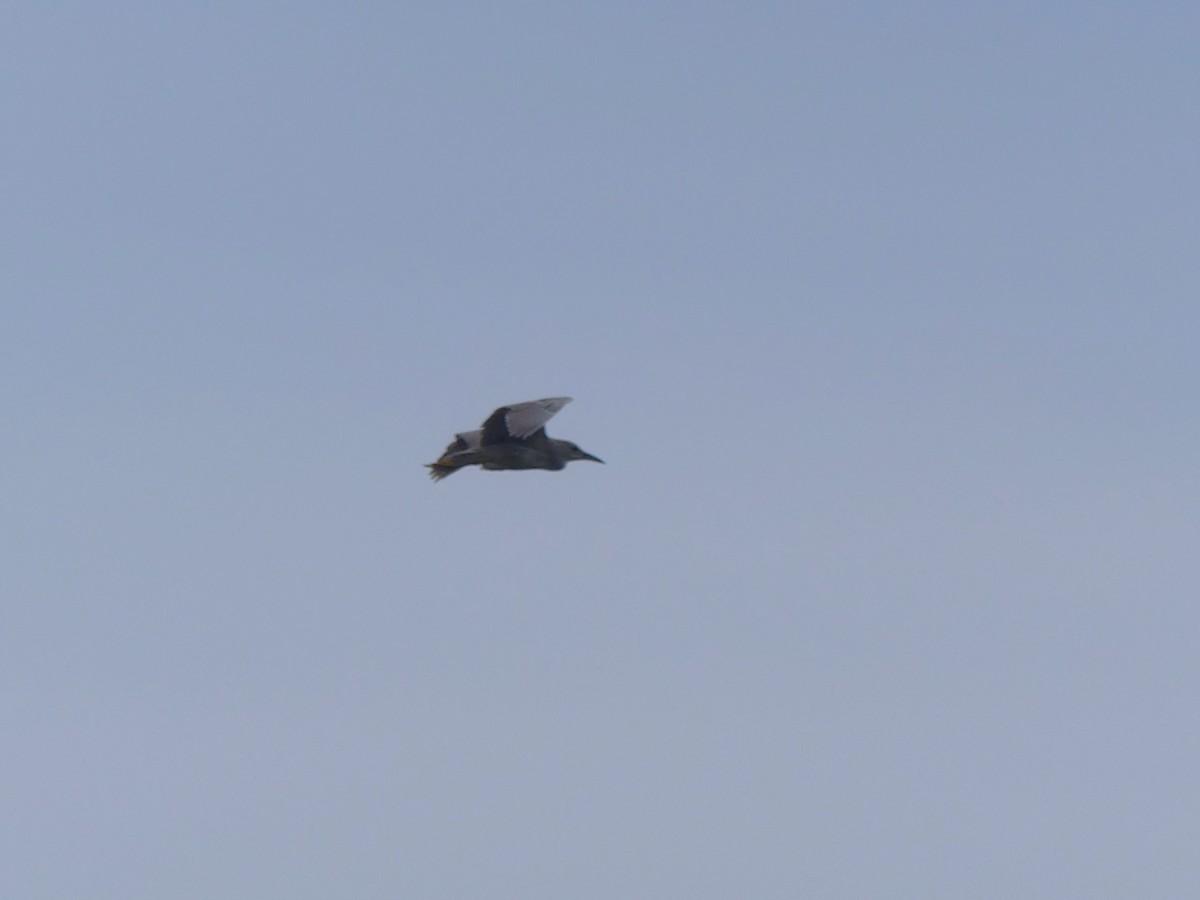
(464,440)
(520,420)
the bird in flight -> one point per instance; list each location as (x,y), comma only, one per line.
(513,437)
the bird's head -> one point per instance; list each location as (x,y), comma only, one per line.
(574,452)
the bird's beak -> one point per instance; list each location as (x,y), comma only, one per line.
(587,455)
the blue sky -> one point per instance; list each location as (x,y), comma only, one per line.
(883,317)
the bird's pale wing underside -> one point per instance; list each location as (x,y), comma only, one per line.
(464,440)
(522,419)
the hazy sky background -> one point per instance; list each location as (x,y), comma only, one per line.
(884,317)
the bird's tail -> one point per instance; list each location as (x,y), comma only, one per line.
(440,469)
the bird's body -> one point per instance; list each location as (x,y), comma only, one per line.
(512,437)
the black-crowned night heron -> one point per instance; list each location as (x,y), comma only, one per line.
(513,437)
